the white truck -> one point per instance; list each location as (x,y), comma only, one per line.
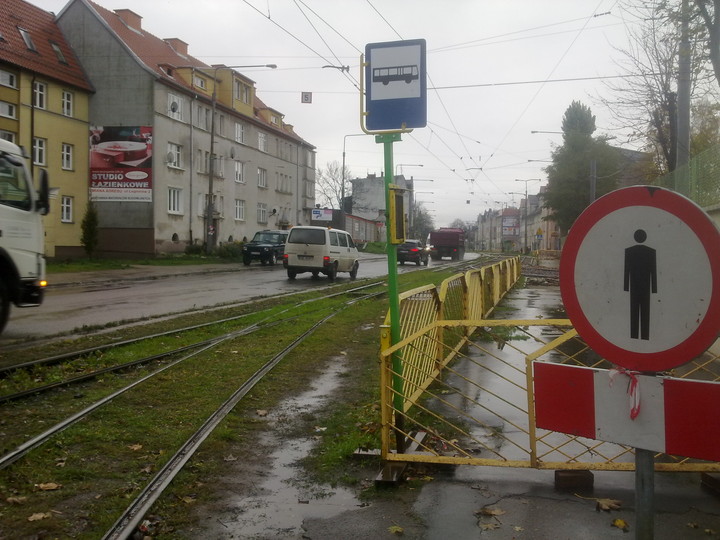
(22,260)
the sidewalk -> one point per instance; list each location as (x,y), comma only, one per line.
(144,272)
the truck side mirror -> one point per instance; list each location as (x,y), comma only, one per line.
(42,204)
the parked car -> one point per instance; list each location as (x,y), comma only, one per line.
(320,251)
(412,251)
(266,246)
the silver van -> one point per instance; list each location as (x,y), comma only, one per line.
(320,251)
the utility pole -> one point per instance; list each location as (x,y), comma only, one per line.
(684,86)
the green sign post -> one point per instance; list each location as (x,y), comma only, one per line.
(395,102)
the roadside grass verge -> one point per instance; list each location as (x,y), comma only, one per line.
(100,463)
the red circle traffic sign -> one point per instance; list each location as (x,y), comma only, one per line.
(640,278)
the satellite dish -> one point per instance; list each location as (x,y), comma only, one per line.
(174,106)
(170,158)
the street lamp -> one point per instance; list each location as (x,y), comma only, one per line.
(342,186)
(526,206)
(401,165)
(209,228)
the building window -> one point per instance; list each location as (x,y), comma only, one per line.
(199,82)
(175,107)
(27,39)
(67,103)
(239,209)
(262,213)
(7,109)
(66,209)
(7,136)
(219,171)
(174,200)
(58,52)
(39,95)
(174,155)
(262,177)
(242,92)
(239,132)
(39,151)
(262,141)
(67,156)
(240,172)
(8,79)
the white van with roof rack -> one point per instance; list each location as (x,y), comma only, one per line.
(320,250)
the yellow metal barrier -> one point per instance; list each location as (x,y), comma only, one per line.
(467,382)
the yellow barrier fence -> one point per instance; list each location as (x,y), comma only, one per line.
(465,381)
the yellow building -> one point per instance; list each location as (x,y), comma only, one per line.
(44,97)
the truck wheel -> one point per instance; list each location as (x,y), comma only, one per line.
(292,274)
(354,271)
(332,272)
(426,261)
(315,274)
(4,306)
(272,259)
(246,260)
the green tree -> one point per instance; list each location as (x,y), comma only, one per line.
(89,227)
(422,222)
(569,189)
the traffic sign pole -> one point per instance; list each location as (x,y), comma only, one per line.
(644,494)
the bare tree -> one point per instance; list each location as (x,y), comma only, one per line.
(329,182)
(710,13)
(645,103)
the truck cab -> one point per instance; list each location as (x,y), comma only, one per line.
(22,261)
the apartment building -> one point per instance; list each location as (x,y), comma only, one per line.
(181,152)
(44,96)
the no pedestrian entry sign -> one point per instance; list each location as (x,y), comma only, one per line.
(640,278)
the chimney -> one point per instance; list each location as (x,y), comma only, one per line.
(130,18)
(178,45)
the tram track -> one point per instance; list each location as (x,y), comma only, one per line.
(129,519)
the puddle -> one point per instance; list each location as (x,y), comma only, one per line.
(280,500)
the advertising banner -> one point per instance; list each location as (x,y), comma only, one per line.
(121,163)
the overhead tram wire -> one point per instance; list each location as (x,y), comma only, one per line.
(354,83)
(537,93)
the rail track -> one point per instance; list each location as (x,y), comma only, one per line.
(299,321)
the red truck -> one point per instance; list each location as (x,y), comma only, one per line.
(447,242)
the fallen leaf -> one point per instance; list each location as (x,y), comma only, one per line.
(39,515)
(621,524)
(693,525)
(135,447)
(319,429)
(146,470)
(16,500)
(48,486)
(261,412)
(230,457)
(608,504)
(188,500)
(709,532)
(517,528)
(490,512)
(489,526)
(396,529)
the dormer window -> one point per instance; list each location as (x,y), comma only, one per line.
(199,82)
(58,52)
(275,120)
(27,39)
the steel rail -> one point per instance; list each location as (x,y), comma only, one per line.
(128,522)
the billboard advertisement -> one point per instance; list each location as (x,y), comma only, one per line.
(121,163)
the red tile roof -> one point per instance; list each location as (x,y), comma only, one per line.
(154,52)
(41,27)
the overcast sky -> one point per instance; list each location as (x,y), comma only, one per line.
(497,70)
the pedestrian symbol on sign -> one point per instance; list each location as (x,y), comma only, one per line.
(640,280)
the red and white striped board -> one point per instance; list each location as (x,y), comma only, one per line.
(676,416)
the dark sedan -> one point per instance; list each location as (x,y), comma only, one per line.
(412,251)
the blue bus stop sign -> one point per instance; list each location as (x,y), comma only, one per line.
(396,85)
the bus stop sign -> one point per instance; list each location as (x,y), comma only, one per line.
(640,278)
(396,85)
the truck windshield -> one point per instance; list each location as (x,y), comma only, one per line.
(14,184)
